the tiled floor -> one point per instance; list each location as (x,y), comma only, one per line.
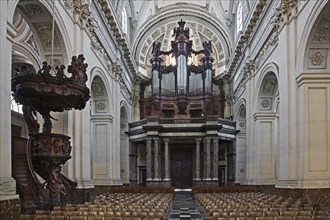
(184,207)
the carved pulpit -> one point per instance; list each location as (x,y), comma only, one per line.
(46,152)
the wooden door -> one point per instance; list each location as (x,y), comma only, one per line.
(181,168)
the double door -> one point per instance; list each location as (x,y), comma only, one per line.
(181,167)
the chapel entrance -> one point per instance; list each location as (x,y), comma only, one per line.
(181,167)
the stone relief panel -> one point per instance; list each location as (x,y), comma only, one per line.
(268,91)
(32,10)
(242,116)
(269,86)
(266,104)
(318,58)
(45,33)
(101,106)
(99,96)
(98,89)
(322,34)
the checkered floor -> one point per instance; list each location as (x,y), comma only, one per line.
(184,206)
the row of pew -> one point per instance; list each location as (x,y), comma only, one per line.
(116,206)
(258,206)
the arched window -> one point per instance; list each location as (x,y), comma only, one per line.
(239,17)
(124,20)
(15,106)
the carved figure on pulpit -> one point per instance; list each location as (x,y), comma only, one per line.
(31,119)
(60,72)
(45,70)
(78,69)
(55,185)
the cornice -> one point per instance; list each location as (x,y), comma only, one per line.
(283,13)
(244,37)
(120,38)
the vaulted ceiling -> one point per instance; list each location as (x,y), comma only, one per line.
(154,20)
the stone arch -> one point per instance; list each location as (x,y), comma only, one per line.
(102,143)
(241,143)
(124,143)
(312,79)
(267,88)
(124,116)
(265,138)
(317,52)
(201,24)
(33,19)
(31,44)
(313,19)
(100,93)
(241,114)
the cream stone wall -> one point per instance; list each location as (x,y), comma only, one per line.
(287,144)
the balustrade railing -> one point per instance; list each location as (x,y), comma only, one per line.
(200,120)
(181,120)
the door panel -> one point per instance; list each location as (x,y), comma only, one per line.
(181,168)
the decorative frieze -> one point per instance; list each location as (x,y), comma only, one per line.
(121,39)
(244,37)
(248,70)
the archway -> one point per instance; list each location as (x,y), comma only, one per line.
(101,127)
(266,128)
(124,146)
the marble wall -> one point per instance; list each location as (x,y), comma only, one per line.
(9,209)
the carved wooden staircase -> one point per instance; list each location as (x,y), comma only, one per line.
(27,183)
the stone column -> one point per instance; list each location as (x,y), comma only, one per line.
(231,158)
(208,159)
(156,159)
(133,164)
(215,158)
(167,160)
(148,146)
(7,182)
(198,142)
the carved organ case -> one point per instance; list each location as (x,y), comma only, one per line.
(181,89)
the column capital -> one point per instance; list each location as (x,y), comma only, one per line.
(166,140)
(208,139)
(198,140)
(149,139)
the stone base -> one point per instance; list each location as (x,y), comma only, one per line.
(158,183)
(205,183)
(133,183)
(84,195)
(10,209)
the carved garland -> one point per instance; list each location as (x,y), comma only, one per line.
(248,70)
